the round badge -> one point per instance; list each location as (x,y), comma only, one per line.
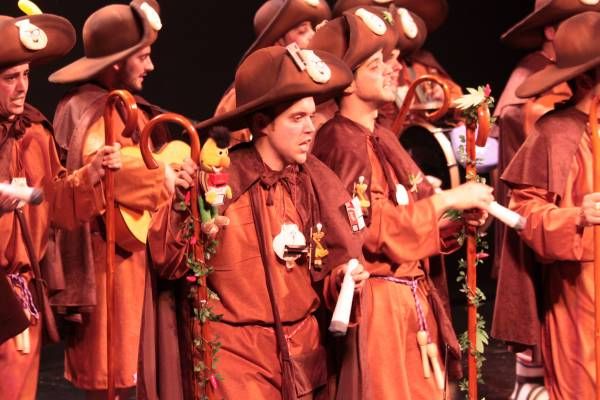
(373,22)
(152,16)
(31,36)
(411,30)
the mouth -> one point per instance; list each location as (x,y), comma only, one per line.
(305,146)
(217,169)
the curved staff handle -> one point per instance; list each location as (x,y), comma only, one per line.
(201,295)
(131,118)
(593,121)
(433,116)
(484,123)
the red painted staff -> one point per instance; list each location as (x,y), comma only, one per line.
(483,121)
(130,108)
(201,296)
(593,121)
(401,118)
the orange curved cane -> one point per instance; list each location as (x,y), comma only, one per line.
(593,121)
(202,294)
(433,116)
(131,109)
(484,123)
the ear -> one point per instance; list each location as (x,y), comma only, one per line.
(549,33)
(260,124)
(351,88)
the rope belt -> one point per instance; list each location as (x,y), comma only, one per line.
(413,284)
(17,281)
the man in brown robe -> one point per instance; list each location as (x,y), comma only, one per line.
(278,22)
(382,358)
(516,118)
(551,182)
(28,158)
(271,347)
(80,128)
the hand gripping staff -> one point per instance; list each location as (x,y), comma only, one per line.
(131,109)
(201,296)
(401,118)
(593,121)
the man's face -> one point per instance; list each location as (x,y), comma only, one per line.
(373,80)
(291,133)
(14,83)
(394,68)
(134,69)
(301,35)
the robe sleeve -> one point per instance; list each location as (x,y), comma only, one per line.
(72,197)
(166,243)
(552,232)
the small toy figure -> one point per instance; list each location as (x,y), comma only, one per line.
(214,158)
(360,190)
(320,251)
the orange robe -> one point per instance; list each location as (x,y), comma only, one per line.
(86,345)
(383,360)
(249,359)
(34,157)
(550,198)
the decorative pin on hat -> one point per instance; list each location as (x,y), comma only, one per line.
(309,61)
(373,22)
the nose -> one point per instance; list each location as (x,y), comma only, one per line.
(309,126)
(22,83)
(149,65)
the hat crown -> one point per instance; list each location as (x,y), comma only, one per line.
(576,41)
(265,14)
(252,81)
(111,29)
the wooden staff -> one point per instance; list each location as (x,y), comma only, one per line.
(432,116)
(201,296)
(593,120)
(109,186)
(483,121)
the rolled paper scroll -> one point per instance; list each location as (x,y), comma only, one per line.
(24,193)
(432,352)
(422,340)
(341,314)
(509,217)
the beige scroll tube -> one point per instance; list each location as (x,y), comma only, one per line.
(509,217)
(341,314)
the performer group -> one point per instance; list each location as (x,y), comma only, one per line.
(294,245)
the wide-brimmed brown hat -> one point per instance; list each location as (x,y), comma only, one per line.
(411,30)
(276,17)
(391,34)
(34,39)
(350,38)
(110,35)
(433,12)
(529,32)
(577,50)
(275,75)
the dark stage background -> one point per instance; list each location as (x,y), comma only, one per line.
(202,41)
